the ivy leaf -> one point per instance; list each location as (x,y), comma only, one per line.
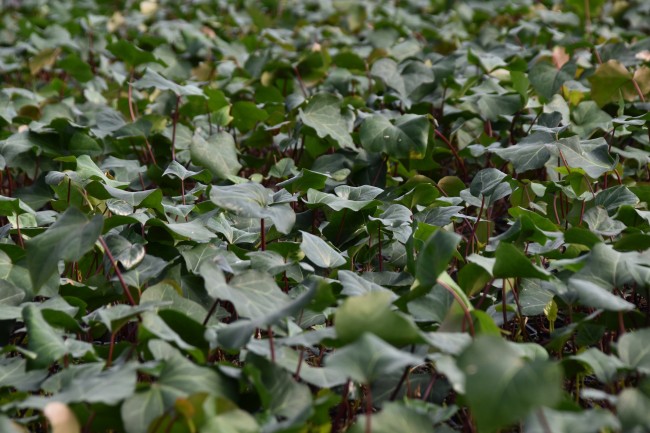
(491,106)
(588,118)
(218,154)
(512,263)
(594,162)
(69,238)
(369,358)
(130,54)
(319,252)
(252,200)
(496,374)
(372,313)
(246,115)
(253,293)
(346,197)
(152,78)
(525,157)
(46,343)
(601,223)
(394,417)
(613,80)
(435,255)
(634,349)
(179,171)
(323,114)
(407,138)
(486,181)
(547,80)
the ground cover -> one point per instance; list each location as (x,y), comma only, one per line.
(314,216)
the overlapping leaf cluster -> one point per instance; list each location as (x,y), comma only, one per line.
(310,216)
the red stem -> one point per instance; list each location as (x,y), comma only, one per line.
(296,375)
(174,122)
(368,409)
(271,345)
(20,236)
(125,287)
(459,160)
(109,361)
(381,259)
(478,220)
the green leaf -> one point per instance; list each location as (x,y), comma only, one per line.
(608,268)
(495,375)
(605,367)
(594,162)
(525,157)
(634,350)
(164,291)
(44,341)
(512,263)
(218,154)
(152,78)
(69,238)
(615,197)
(252,200)
(435,255)
(407,138)
(180,377)
(246,115)
(149,268)
(193,230)
(124,252)
(394,417)
(547,80)
(119,315)
(596,296)
(139,410)
(90,384)
(486,181)
(588,118)
(280,393)
(9,426)
(130,54)
(491,106)
(601,223)
(585,421)
(370,358)
(323,114)
(320,252)
(372,313)
(253,293)
(244,199)
(150,199)
(633,409)
(179,171)
(612,81)
(346,197)
(77,68)
(535,296)
(354,285)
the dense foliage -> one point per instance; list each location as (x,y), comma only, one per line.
(314,216)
